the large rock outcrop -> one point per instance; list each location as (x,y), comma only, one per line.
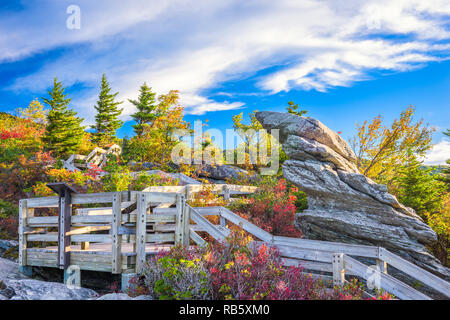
(344,205)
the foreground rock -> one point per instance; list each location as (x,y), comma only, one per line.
(123,296)
(344,205)
(16,286)
(39,290)
(9,270)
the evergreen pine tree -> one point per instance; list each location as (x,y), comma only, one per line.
(63,133)
(292,108)
(445,176)
(106,119)
(419,189)
(146,105)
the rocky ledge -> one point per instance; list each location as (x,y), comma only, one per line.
(344,205)
(16,286)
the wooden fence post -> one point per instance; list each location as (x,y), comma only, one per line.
(382,265)
(23,211)
(222,220)
(338,269)
(180,220)
(64,221)
(226,193)
(141,231)
(186,224)
(116,238)
(188,192)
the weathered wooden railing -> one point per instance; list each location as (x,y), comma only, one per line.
(116,232)
(111,232)
(322,256)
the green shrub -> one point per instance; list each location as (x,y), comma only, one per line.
(178,276)
(8,209)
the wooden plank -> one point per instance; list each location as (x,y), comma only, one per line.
(208,211)
(303,253)
(28,230)
(159,210)
(94,211)
(160,237)
(244,224)
(224,230)
(172,189)
(102,210)
(161,197)
(44,202)
(172,227)
(350,249)
(416,272)
(89,229)
(164,205)
(102,197)
(116,240)
(207,226)
(196,238)
(53,237)
(151,218)
(309,265)
(141,231)
(153,238)
(387,282)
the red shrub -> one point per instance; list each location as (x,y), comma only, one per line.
(272,208)
(9,227)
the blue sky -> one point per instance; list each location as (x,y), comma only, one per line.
(343,61)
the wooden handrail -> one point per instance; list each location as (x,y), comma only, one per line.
(387,282)
(322,252)
(416,272)
(313,254)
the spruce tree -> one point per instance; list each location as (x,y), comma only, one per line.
(419,189)
(146,105)
(63,133)
(445,175)
(106,119)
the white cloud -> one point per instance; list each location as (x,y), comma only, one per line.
(439,154)
(197,45)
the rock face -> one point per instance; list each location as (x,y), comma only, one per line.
(9,270)
(39,290)
(182,178)
(222,172)
(16,286)
(344,205)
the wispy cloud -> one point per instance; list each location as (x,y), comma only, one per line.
(439,154)
(194,46)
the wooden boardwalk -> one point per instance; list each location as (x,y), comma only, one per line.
(116,232)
